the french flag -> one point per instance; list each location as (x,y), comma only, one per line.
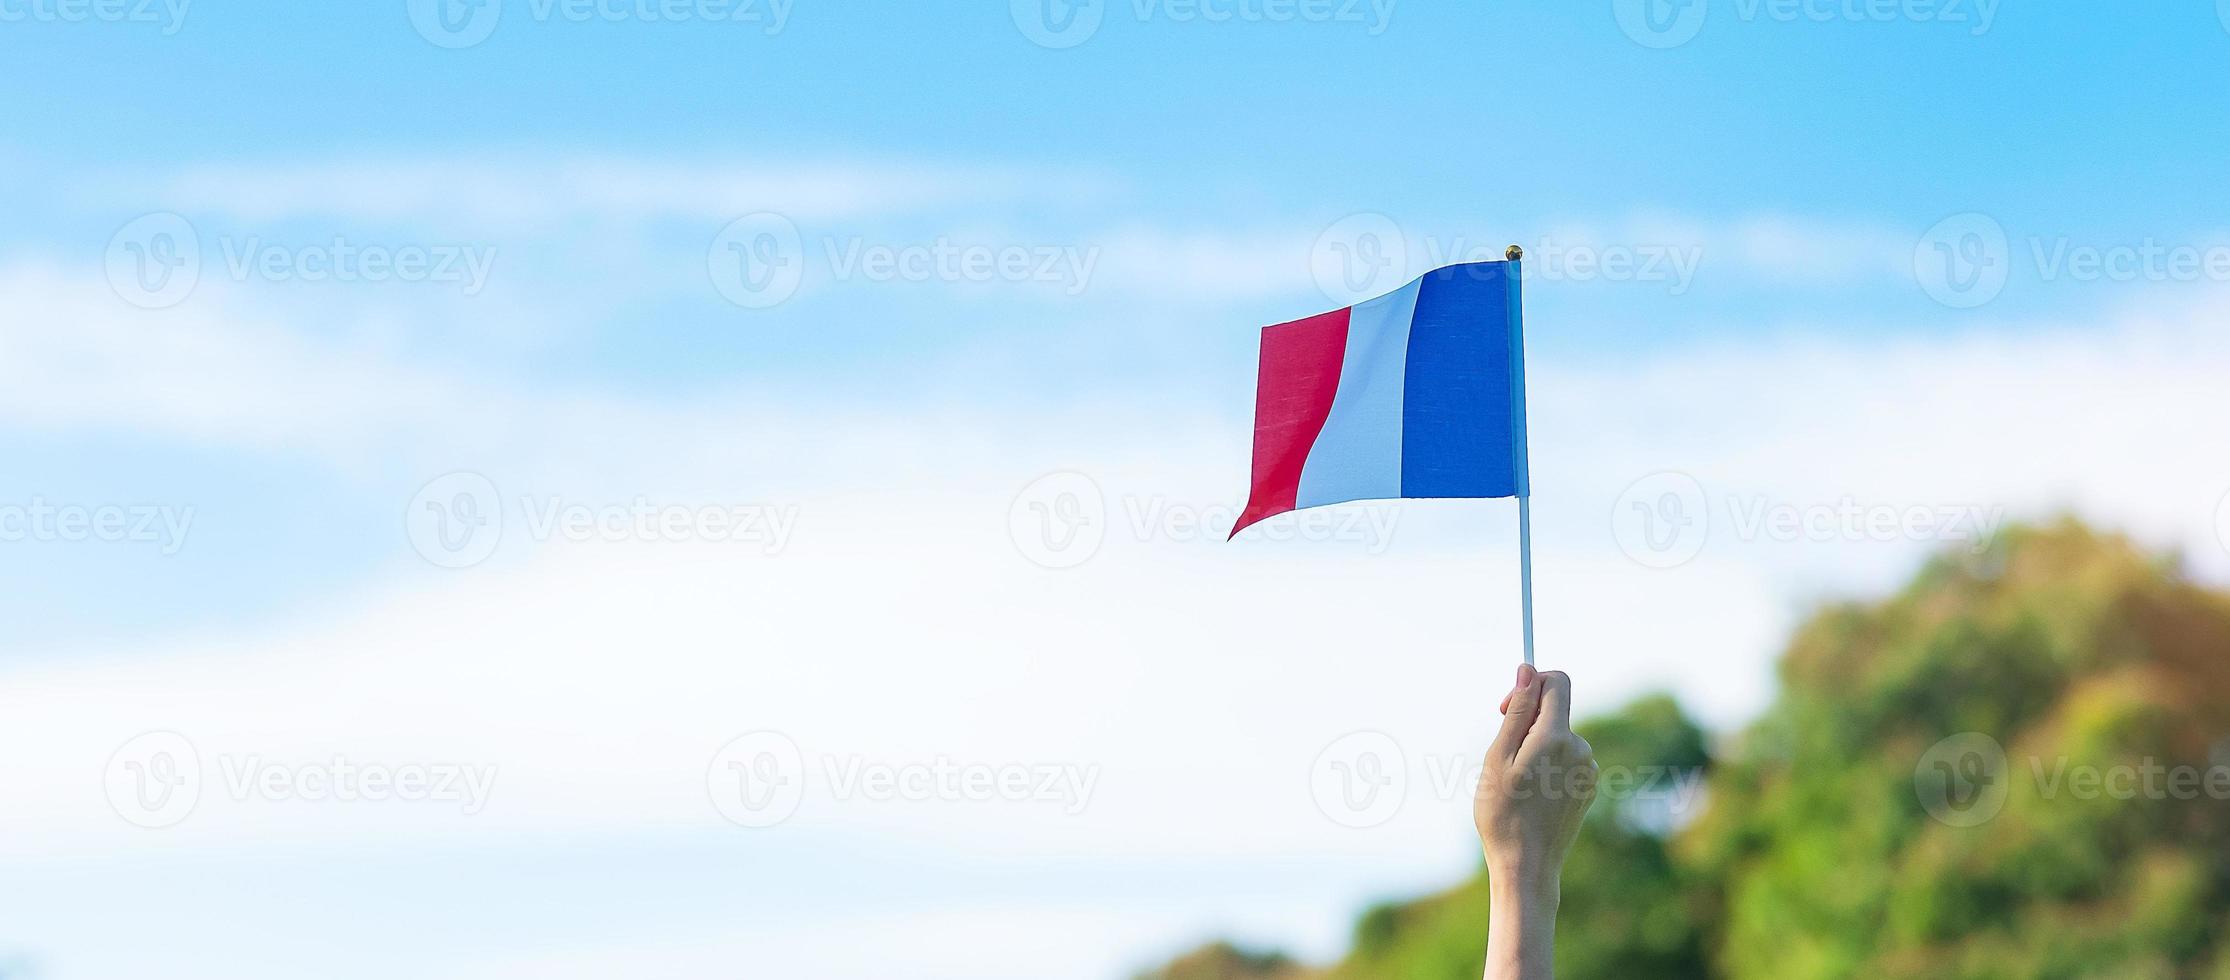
(1418,393)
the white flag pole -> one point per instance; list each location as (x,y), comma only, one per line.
(1525,493)
(1525,570)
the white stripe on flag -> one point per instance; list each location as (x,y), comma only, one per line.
(1358,455)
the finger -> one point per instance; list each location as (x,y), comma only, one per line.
(1525,676)
(1556,702)
(1525,706)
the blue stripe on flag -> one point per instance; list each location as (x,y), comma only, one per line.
(1461,434)
(1358,456)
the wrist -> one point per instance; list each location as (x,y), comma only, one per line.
(1524,876)
(1529,893)
(1521,934)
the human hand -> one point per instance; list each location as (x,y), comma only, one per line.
(1535,786)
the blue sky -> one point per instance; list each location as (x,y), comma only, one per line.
(1855,292)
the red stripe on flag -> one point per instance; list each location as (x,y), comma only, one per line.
(1292,398)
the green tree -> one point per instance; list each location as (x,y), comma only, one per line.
(1224,961)
(2077,653)
(2016,767)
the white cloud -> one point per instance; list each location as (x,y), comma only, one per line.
(1798,251)
(231,369)
(542,188)
(1146,258)
(593,197)
(73,354)
(1667,252)
(1777,249)
(1199,679)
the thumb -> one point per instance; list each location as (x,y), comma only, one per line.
(1525,672)
(1523,705)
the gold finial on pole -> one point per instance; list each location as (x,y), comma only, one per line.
(1513,253)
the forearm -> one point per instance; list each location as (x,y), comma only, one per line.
(1521,932)
(1534,789)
